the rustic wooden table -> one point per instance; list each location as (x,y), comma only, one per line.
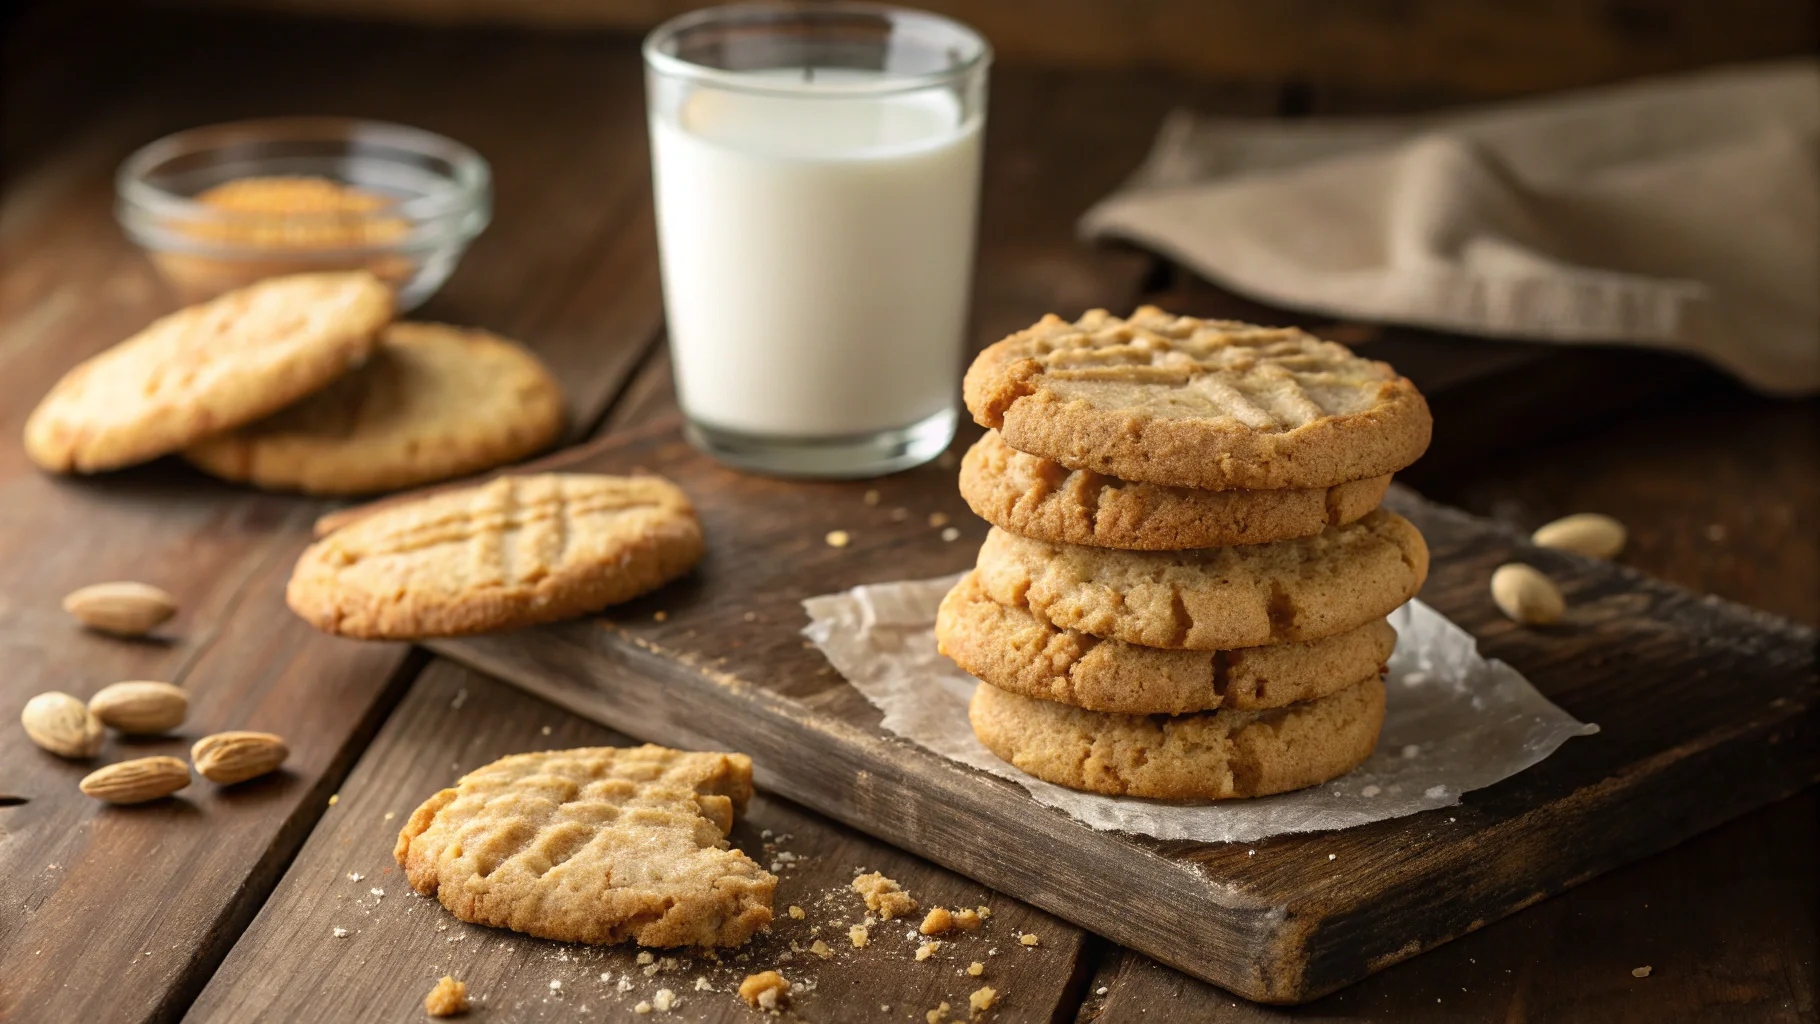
(179,909)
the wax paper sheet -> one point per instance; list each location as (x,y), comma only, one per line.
(1455,721)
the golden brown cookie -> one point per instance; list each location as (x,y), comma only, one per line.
(1014,650)
(513,552)
(1214,404)
(1210,599)
(598,844)
(1046,500)
(432,402)
(1217,755)
(207,368)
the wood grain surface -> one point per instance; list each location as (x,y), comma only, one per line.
(197,867)
(1471,47)
(1636,656)
(109,914)
(399,943)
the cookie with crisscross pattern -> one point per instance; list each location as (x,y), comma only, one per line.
(1214,404)
(1040,498)
(513,552)
(1014,650)
(207,368)
(597,844)
(432,402)
(1211,599)
(1217,755)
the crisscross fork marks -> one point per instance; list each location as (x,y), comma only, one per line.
(500,508)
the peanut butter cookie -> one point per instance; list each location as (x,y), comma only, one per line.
(207,368)
(1214,404)
(597,844)
(1039,498)
(513,552)
(1210,599)
(1218,755)
(433,402)
(1016,651)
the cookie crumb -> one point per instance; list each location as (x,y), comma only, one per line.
(884,896)
(838,538)
(646,957)
(938,921)
(334,798)
(938,519)
(660,616)
(796,912)
(871,496)
(766,991)
(898,515)
(976,968)
(339,932)
(860,934)
(937,1015)
(448,998)
(983,998)
(702,984)
(967,920)
(1028,939)
(951,534)
(985,912)
(663,999)
(1640,972)
(643,1007)
(927,950)
(821,949)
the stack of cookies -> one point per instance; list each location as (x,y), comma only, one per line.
(1185,590)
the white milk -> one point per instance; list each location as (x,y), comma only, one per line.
(816,257)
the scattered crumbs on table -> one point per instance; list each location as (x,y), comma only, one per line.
(859,935)
(937,1015)
(461,697)
(1640,972)
(871,496)
(838,538)
(555,984)
(927,949)
(355,876)
(334,798)
(938,519)
(1410,750)
(983,999)
(1332,856)
(339,932)
(664,1000)
(1100,991)
(750,616)
(660,616)
(898,515)
(545,730)
(1028,939)
(951,534)
(1370,791)
(976,968)
(796,912)
(646,957)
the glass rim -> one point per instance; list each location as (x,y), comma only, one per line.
(756,13)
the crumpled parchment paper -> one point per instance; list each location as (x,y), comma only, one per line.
(1455,721)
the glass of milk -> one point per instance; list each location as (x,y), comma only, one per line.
(817,168)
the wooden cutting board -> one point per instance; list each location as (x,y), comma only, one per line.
(1706,709)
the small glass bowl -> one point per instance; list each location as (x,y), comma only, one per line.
(422,199)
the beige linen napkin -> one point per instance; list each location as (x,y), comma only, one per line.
(1678,213)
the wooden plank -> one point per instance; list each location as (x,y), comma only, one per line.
(1737,947)
(1718,492)
(125,912)
(398,944)
(1278,926)
(1476,48)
